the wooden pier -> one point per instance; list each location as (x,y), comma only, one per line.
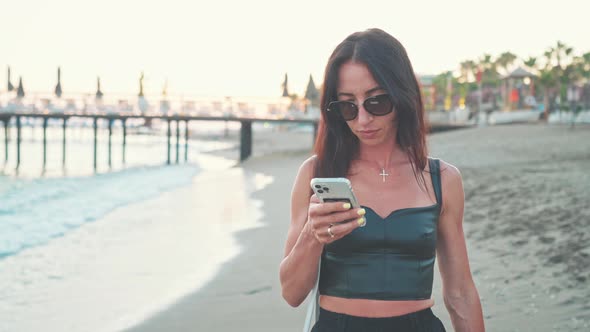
(245,131)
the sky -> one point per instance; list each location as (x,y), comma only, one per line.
(245,47)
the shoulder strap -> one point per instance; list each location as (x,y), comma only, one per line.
(434,165)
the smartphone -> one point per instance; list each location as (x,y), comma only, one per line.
(334,190)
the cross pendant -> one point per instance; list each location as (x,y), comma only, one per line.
(383,174)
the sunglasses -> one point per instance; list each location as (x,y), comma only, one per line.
(377,105)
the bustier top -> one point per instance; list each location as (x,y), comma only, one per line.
(388,259)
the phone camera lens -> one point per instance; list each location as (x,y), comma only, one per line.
(318,186)
(326,189)
(320,191)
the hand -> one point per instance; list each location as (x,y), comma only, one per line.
(332,221)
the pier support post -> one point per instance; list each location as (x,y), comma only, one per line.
(18,139)
(169,133)
(44,142)
(186,135)
(64,126)
(177,141)
(95,125)
(110,142)
(245,139)
(6,140)
(124,122)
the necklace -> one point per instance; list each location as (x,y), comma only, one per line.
(383,174)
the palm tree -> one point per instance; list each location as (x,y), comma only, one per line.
(586,67)
(573,74)
(489,78)
(548,78)
(547,81)
(443,84)
(490,74)
(531,63)
(561,56)
(586,73)
(504,61)
(468,70)
(560,53)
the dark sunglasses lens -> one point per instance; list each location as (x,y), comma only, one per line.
(378,105)
(346,109)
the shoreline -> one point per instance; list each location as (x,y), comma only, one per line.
(133,261)
(247,285)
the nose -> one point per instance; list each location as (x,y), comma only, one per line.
(364,117)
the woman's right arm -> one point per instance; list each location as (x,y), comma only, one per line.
(307,235)
(299,268)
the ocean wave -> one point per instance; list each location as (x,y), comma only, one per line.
(33,211)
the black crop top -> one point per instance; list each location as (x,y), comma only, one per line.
(388,259)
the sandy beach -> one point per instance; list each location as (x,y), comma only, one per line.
(526,223)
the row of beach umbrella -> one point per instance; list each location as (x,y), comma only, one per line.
(20,91)
(311,92)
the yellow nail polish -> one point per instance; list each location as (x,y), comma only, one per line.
(362,222)
(361,212)
(346,205)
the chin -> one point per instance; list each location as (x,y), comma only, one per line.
(372,141)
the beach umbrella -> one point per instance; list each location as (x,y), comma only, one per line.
(285,87)
(99,93)
(141,85)
(58,91)
(20,91)
(10,87)
(164,103)
(312,93)
(165,90)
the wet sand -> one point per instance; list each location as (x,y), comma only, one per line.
(526,222)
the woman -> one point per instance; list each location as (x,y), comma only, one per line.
(372,131)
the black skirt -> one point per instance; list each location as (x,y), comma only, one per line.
(420,321)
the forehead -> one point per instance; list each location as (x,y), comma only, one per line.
(355,78)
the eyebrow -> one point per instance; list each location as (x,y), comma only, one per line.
(368,92)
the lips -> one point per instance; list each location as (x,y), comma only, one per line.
(367,134)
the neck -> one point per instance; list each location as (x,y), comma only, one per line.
(383,155)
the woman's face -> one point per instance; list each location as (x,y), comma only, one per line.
(356,83)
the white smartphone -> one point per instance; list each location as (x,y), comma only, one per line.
(334,190)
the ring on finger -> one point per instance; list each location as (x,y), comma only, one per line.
(330,230)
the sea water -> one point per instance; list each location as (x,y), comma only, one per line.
(86,250)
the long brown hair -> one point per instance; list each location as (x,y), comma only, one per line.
(385,57)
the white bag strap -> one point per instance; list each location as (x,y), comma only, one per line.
(313,308)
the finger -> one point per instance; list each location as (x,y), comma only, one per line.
(328,208)
(343,229)
(337,217)
(314,199)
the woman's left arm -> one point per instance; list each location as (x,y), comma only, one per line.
(459,292)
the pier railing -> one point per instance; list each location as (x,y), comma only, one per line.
(245,131)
